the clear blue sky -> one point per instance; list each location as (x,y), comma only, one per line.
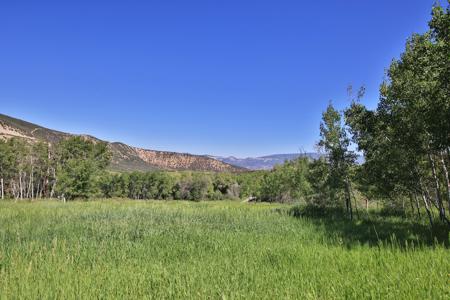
(241,78)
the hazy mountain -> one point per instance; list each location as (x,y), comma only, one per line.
(264,162)
(125,157)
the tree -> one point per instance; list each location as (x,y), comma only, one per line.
(318,178)
(335,142)
(405,141)
(80,161)
(250,183)
(6,165)
(286,182)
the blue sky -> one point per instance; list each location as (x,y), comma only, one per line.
(242,78)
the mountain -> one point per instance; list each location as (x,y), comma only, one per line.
(124,157)
(264,162)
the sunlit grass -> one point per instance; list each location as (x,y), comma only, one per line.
(175,249)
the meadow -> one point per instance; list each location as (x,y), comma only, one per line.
(217,250)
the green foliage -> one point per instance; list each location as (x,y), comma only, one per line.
(164,185)
(26,169)
(319,178)
(335,141)
(137,185)
(76,179)
(250,183)
(75,168)
(287,182)
(6,158)
(406,139)
(80,162)
(194,186)
(225,185)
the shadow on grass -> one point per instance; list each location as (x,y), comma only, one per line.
(373,229)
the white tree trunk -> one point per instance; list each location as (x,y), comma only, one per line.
(437,187)
(417,205)
(20,185)
(427,207)
(54,184)
(444,169)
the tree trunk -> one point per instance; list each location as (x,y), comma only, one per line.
(14,190)
(443,218)
(411,204)
(447,185)
(354,198)
(20,185)
(38,195)
(52,190)
(448,153)
(3,188)
(41,191)
(427,207)
(425,197)
(31,181)
(348,201)
(53,185)
(403,207)
(437,188)
(417,205)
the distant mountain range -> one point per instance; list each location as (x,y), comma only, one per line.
(124,157)
(264,162)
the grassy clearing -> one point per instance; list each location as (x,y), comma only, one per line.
(175,249)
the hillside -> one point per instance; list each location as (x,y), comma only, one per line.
(124,157)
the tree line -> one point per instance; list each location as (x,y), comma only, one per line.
(36,169)
(76,168)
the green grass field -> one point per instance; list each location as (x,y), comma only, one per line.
(218,250)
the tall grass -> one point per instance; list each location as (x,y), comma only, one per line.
(225,250)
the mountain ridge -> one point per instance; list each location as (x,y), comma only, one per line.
(265,162)
(124,157)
